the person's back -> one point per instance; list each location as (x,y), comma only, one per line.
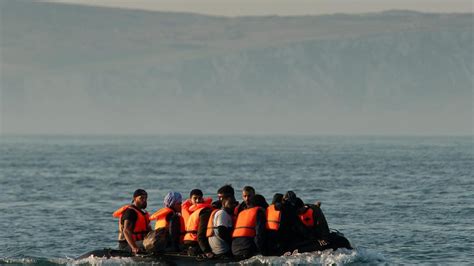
(273,226)
(312,219)
(320,228)
(248,237)
(292,230)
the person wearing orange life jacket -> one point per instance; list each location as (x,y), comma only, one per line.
(248,237)
(248,193)
(169,219)
(195,240)
(274,226)
(190,204)
(313,218)
(134,222)
(219,227)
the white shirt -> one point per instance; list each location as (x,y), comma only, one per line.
(218,245)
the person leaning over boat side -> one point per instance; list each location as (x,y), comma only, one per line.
(195,239)
(313,218)
(293,232)
(134,222)
(248,237)
(248,193)
(169,219)
(219,227)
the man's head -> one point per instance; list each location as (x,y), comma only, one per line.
(299,206)
(248,193)
(260,201)
(289,196)
(225,190)
(140,198)
(228,203)
(196,196)
(173,200)
(277,198)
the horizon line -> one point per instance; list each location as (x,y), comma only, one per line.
(127,8)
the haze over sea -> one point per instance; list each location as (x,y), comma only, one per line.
(397,199)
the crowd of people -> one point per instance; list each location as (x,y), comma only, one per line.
(224,228)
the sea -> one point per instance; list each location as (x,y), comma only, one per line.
(398,199)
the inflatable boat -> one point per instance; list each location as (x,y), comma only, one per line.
(336,240)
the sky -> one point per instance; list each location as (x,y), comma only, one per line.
(284,7)
(81,112)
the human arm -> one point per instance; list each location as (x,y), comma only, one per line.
(225,233)
(321,225)
(174,230)
(128,220)
(201,234)
(260,230)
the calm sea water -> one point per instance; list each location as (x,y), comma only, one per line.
(397,199)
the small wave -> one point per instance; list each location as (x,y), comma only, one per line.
(95,261)
(327,257)
(32,261)
(18,261)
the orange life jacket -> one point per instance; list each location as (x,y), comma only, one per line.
(307,218)
(273,218)
(161,222)
(192,224)
(246,223)
(210,224)
(187,208)
(140,228)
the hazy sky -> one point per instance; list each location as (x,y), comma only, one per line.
(284,7)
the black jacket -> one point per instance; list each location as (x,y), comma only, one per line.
(245,247)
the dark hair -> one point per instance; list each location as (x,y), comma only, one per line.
(249,189)
(226,197)
(226,189)
(277,198)
(196,192)
(289,196)
(139,192)
(299,203)
(260,201)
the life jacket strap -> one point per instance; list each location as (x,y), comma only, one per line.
(248,227)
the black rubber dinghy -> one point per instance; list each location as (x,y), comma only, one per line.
(336,240)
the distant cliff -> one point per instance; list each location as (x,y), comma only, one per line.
(76,69)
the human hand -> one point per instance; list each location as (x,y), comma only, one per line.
(135,250)
(209,255)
